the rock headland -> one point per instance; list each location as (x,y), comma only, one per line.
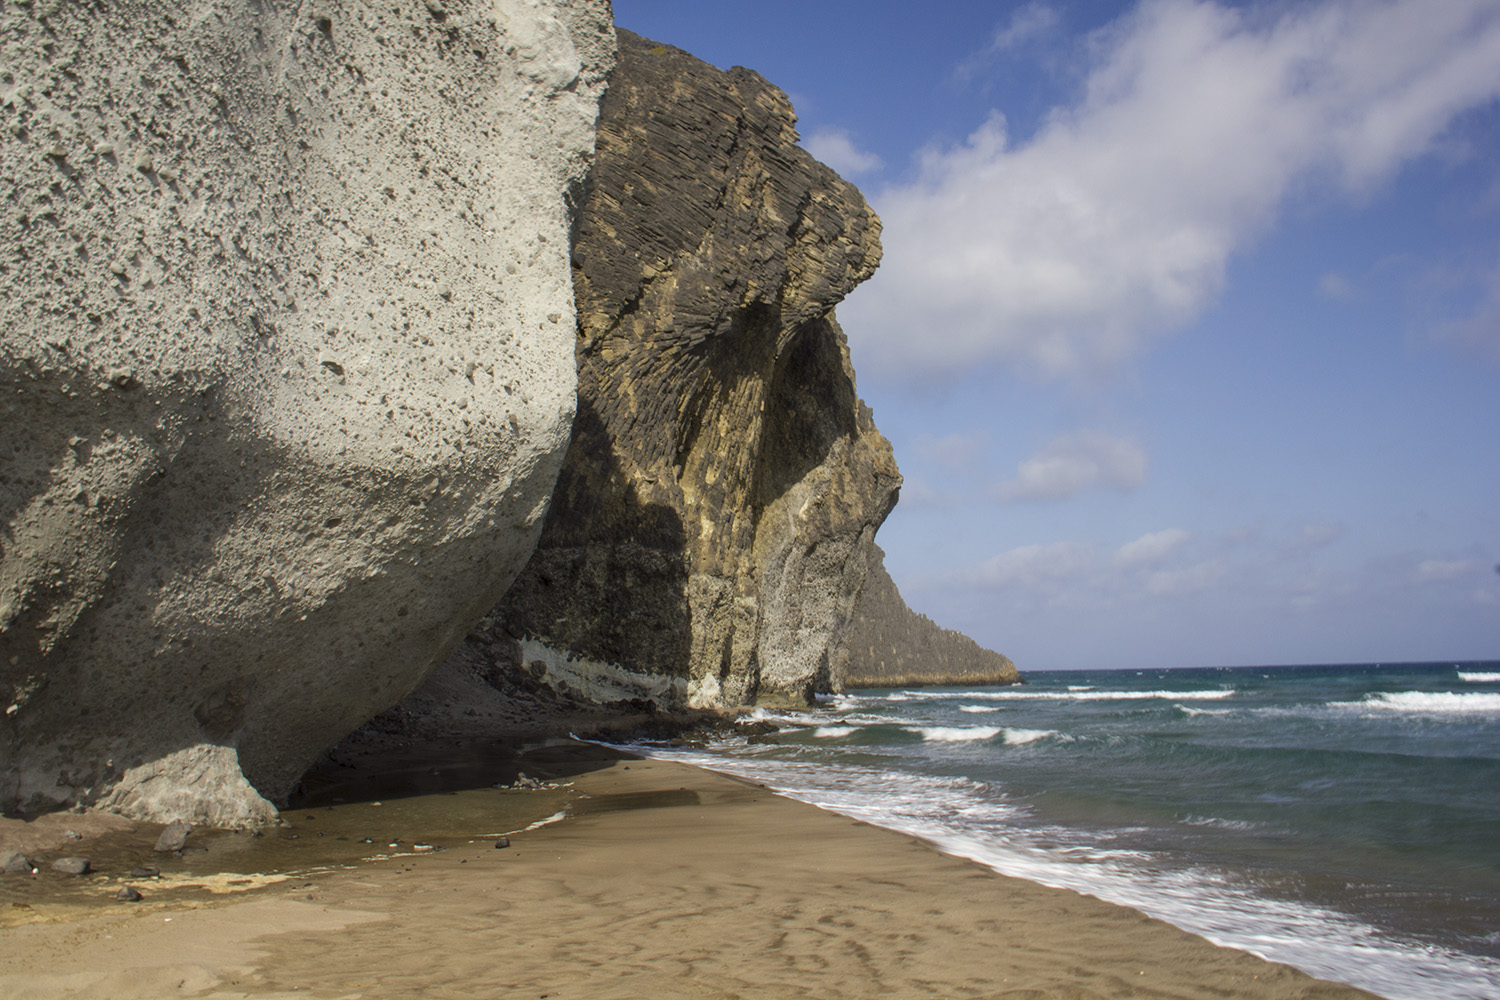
(890,645)
(712,523)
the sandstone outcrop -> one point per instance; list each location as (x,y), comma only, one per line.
(891,645)
(287,370)
(711,525)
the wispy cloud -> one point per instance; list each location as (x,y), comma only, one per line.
(1025,24)
(1076,462)
(1448,570)
(835,147)
(1070,252)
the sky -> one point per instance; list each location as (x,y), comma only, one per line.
(1187,332)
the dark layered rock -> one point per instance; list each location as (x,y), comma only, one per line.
(711,527)
(890,645)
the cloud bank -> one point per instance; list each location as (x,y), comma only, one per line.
(1071,252)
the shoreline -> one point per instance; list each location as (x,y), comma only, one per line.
(665,880)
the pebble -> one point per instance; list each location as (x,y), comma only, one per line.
(14,863)
(145,873)
(72,866)
(502,842)
(129,893)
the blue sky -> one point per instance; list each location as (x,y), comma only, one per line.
(1188,330)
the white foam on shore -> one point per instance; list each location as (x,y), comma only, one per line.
(556,817)
(972,820)
(1478,677)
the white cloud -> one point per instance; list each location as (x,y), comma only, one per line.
(1036,568)
(1024,25)
(1077,462)
(1447,570)
(1336,287)
(1151,549)
(1070,252)
(835,147)
(1479,329)
(1319,533)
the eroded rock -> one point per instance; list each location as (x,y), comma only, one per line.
(286,371)
(710,528)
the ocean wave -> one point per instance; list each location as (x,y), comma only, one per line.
(956,734)
(1080,687)
(830,732)
(1478,677)
(1015,737)
(1429,703)
(978,709)
(1189,711)
(1239,825)
(1215,695)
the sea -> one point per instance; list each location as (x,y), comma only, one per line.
(1342,819)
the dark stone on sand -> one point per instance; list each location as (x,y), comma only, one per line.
(14,863)
(72,866)
(173,838)
(144,872)
(129,894)
(502,842)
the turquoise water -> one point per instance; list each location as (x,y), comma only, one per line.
(1345,819)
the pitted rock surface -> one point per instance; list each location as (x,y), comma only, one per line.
(710,529)
(286,370)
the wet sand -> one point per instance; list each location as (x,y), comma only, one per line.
(663,881)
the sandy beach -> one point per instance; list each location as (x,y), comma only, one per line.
(663,881)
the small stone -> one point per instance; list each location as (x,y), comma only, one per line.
(173,838)
(129,893)
(145,873)
(14,863)
(502,842)
(72,835)
(105,149)
(144,163)
(72,866)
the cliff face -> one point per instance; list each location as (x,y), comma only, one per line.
(891,645)
(710,529)
(287,370)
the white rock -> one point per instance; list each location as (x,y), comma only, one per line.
(247,553)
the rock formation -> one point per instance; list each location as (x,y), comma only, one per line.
(891,645)
(287,369)
(711,525)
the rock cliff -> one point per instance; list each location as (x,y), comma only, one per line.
(287,370)
(891,645)
(711,526)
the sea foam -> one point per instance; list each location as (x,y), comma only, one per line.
(1432,703)
(956,734)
